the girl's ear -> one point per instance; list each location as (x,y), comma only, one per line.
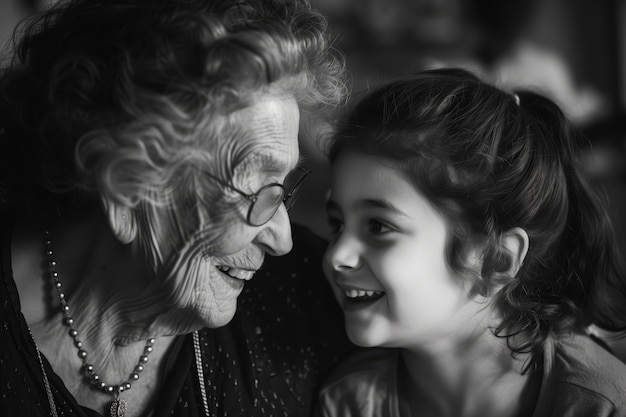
(515,241)
(121,220)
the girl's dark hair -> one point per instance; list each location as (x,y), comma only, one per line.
(491,161)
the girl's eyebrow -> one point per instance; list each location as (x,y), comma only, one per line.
(367,203)
(378,203)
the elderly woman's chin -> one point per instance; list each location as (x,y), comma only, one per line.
(201,290)
(215,301)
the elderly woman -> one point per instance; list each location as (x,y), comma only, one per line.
(148,156)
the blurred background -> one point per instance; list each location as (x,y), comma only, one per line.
(573,51)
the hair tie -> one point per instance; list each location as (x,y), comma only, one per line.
(516,98)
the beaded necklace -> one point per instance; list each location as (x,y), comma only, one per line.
(198,360)
(118,407)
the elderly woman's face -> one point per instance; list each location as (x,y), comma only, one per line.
(206,274)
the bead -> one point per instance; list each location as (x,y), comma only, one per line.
(69,321)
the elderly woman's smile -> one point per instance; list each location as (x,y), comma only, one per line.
(146,157)
(207,270)
(237,273)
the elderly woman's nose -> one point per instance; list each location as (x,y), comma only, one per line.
(275,235)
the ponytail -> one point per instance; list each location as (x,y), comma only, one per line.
(584,258)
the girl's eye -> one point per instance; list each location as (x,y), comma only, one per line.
(376,227)
(335,225)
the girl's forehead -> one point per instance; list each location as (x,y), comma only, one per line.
(367,177)
(362,181)
(351,164)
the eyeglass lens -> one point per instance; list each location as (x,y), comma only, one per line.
(270,198)
(293,185)
(267,203)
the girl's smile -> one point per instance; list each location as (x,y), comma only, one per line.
(387,259)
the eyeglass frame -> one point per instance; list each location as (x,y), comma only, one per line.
(253,198)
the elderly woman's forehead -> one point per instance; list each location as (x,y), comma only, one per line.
(269,103)
(274,158)
(265,133)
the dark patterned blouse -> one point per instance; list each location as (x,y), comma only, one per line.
(286,335)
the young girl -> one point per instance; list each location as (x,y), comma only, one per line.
(468,247)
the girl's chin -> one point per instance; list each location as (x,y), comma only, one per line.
(362,337)
(361,341)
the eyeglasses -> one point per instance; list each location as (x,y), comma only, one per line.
(266,202)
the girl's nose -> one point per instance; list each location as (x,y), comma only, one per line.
(344,254)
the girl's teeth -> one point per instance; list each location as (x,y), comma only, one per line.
(352,293)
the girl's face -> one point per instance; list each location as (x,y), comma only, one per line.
(386,262)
